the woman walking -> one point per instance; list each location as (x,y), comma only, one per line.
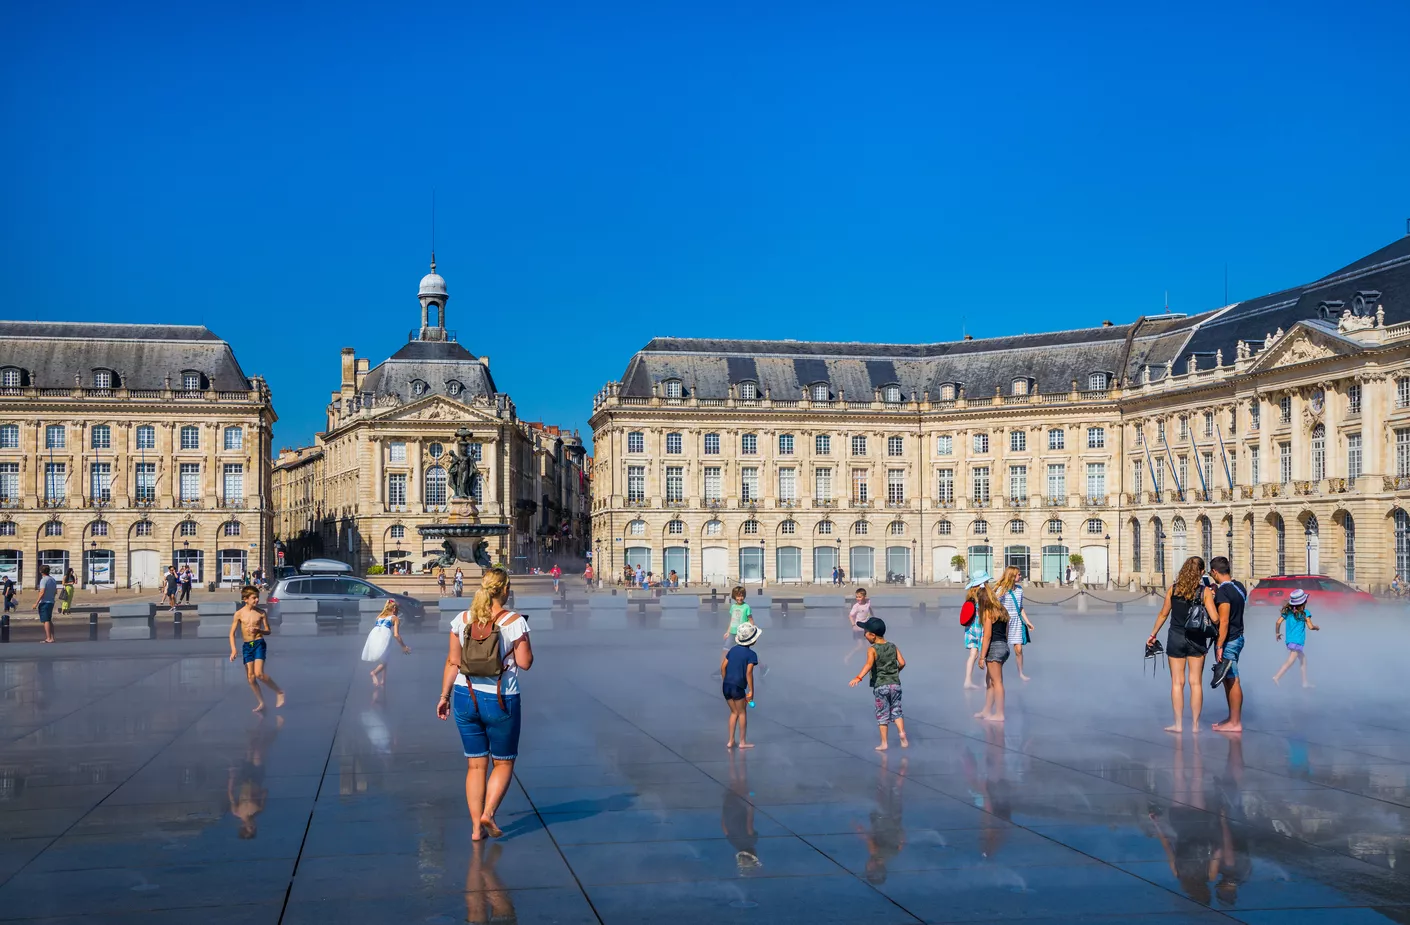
(995,646)
(1184,648)
(1010,596)
(489,646)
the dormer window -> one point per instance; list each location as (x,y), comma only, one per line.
(673,388)
(891,394)
(453,387)
(190,381)
(418,387)
(1096,382)
(10,377)
(749,391)
(820,392)
(103,379)
(1019,387)
(947,392)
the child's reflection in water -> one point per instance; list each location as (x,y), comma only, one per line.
(887,835)
(737,815)
(245,787)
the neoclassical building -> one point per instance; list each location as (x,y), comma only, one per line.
(1275,430)
(380,468)
(125,448)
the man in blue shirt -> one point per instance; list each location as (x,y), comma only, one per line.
(44,603)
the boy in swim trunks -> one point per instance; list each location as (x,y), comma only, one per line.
(253,625)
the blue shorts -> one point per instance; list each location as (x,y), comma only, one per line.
(46,612)
(485,727)
(254,651)
(734,691)
(1232,648)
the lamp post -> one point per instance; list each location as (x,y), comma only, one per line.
(1107,540)
(686,576)
(1229,536)
(597,562)
(1062,557)
(761,562)
(839,556)
(911,572)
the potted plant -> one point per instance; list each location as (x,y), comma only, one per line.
(1076,561)
(957,564)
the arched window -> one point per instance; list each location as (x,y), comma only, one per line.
(1053,526)
(1135,546)
(418,388)
(1096,381)
(1206,540)
(11,377)
(1280,534)
(436,486)
(673,388)
(1312,533)
(1349,552)
(1018,387)
(749,391)
(825,528)
(675,528)
(1158,529)
(788,527)
(981,527)
(892,394)
(944,528)
(1402,543)
(1095,527)
(1319,453)
(453,387)
(860,528)
(53,528)
(947,392)
(233,438)
(1017,526)
(898,528)
(190,380)
(98,528)
(820,392)
(231,528)
(103,379)
(714,528)
(142,528)
(636,528)
(751,527)
(186,528)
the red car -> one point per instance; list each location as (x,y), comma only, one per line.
(1323,593)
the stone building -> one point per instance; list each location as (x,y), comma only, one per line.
(1276,429)
(380,468)
(125,448)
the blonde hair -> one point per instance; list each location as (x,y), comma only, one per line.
(1006,581)
(988,606)
(389,609)
(494,586)
(1187,582)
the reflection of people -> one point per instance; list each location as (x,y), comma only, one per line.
(245,788)
(993,791)
(737,816)
(887,835)
(486,899)
(486,706)
(387,628)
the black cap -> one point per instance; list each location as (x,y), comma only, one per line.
(874,625)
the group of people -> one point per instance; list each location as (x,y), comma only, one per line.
(459,582)
(995,624)
(176,586)
(636,577)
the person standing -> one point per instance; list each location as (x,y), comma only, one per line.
(1010,596)
(44,601)
(1226,604)
(171,584)
(459,583)
(187,578)
(834,574)
(1184,649)
(973,627)
(66,595)
(11,601)
(441,582)
(737,681)
(557,573)
(587,575)
(995,648)
(486,705)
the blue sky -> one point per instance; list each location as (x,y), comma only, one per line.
(608,172)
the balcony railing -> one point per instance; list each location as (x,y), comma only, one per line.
(898,505)
(1055,501)
(824,502)
(673,502)
(789,503)
(980,502)
(1395,483)
(1095,501)
(637,502)
(1305,488)
(857,503)
(1154,497)
(1273,490)
(1017,501)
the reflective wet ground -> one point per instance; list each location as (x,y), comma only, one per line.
(136,786)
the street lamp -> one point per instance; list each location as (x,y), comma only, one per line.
(911,576)
(838,563)
(1062,557)
(761,562)
(1230,537)
(1107,539)
(687,561)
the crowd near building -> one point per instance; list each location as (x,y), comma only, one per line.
(382,465)
(1275,430)
(125,448)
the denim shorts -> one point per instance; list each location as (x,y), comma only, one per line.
(485,727)
(46,612)
(1232,648)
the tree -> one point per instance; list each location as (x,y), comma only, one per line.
(957,563)
(1076,561)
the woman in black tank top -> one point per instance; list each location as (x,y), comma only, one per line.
(1184,651)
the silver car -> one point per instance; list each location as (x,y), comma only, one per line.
(338,597)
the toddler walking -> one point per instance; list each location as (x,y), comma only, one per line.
(1299,620)
(884,664)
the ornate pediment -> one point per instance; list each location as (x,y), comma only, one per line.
(433,408)
(1302,345)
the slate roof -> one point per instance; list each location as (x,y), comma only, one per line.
(51,353)
(708,366)
(437,363)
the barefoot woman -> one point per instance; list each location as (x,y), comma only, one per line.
(1184,651)
(486,707)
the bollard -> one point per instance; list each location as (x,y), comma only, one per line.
(1120,607)
(714,600)
(5,627)
(1081,601)
(92,625)
(176,624)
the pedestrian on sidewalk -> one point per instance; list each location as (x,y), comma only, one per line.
(44,601)
(186,578)
(441,581)
(11,596)
(883,668)
(171,584)
(557,573)
(70,586)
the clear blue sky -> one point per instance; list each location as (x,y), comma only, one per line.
(607,172)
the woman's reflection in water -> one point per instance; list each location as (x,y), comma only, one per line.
(737,815)
(888,834)
(992,791)
(486,899)
(1203,842)
(245,787)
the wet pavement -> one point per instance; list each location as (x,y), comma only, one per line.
(137,786)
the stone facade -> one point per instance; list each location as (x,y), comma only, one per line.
(128,448)
(380,468)
(774,461)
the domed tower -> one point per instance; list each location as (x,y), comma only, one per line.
(432,294)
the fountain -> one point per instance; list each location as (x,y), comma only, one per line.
(462,540)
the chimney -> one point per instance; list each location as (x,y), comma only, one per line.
(485,362)
(1106,324)
(361,368)
(969,337)
(349,370)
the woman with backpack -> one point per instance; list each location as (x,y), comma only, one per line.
(1187,642)
(1009,594)
(489,646)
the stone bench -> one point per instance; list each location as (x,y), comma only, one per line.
(451,608)
(216,617)
(607,612)
(824,601)
(131,620)
(893,612)
(538,608)
(298,617)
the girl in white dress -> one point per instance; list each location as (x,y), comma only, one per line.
(387,628)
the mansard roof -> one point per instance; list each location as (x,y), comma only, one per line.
(707,367)
(437,364)
(143,356)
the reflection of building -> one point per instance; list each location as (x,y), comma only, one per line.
(127,447)
(382,467)
(722,459)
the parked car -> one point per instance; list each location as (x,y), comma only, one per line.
(338,597)
(1323,593)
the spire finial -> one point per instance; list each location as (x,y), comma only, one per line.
(433,261)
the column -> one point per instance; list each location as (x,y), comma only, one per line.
(415,499)
(379,493)
(1375,395)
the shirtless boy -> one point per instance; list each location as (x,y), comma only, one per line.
(253,625)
